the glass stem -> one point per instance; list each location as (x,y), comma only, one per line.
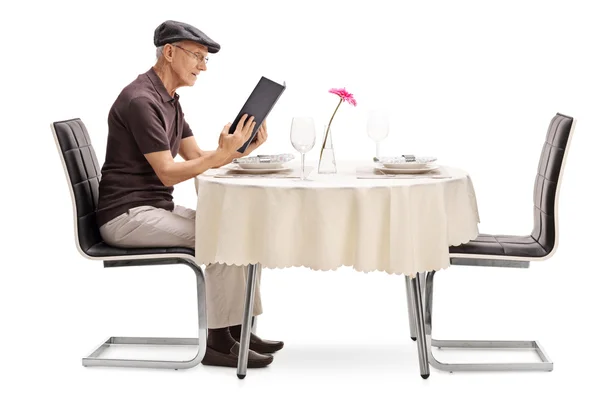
(377,149)
(302,165)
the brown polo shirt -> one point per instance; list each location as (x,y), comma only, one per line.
(143,119)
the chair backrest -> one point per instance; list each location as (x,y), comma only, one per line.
(83,175)
(547,182)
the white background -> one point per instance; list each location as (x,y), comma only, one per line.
(473,83)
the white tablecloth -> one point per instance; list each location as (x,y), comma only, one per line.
(400,226)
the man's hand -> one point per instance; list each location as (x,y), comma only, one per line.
(261,137)
(230,143)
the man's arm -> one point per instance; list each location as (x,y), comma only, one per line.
(189,150)
(171,172)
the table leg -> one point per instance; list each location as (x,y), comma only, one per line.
(420,322)
(248,311)
(410,304)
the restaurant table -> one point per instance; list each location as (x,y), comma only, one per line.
(358,217)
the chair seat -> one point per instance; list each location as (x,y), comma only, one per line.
(104,250)
(501,245)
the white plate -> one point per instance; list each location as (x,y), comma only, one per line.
(428,168)
(260,166)
(406,165)
(402,160)
(264,161)
(260,170)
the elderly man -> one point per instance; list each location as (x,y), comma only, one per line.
(146,130)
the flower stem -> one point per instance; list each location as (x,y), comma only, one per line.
(329,127)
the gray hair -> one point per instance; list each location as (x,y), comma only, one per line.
(159,50)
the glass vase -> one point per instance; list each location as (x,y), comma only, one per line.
(327,154)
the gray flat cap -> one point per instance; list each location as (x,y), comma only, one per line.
(174,31)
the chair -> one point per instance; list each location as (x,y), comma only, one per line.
(83,176)
(509,251)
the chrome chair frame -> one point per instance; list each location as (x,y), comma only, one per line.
(95,359)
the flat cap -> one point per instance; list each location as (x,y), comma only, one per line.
(174,31)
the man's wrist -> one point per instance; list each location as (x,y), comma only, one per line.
(219,158)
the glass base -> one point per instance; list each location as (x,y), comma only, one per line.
(327,156)
(327,162)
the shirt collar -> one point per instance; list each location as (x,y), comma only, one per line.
(159,86)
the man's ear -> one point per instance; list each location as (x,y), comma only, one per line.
(168,52)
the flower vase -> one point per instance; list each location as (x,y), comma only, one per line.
(327,155)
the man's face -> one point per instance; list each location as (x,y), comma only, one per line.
(189,58)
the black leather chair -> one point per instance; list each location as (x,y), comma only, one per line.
(83,176)
(513,252)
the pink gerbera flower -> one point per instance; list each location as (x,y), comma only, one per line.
(344,95)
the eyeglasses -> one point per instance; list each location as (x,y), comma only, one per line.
(199,57)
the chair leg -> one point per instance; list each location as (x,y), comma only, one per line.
(94,358)
(245,331)
(543,365)
(420,325)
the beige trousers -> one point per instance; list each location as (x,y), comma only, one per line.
(147,226)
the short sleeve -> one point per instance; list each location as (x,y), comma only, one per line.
(146,126)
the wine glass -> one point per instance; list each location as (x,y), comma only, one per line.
(378,127)
(303,136)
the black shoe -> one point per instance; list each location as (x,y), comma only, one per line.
(216,358)
(257,344)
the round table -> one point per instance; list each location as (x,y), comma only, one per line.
(398,225)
